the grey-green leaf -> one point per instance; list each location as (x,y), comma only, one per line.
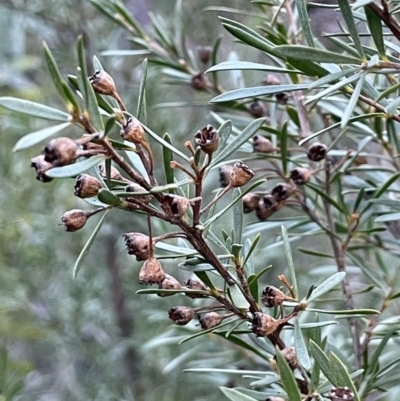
(288,379)
(74,169)
(300,345)
(235,395)
(323,362)
(327,285)
(248,65)
(288,252)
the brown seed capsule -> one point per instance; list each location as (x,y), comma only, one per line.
(137,244)
(300,176)
(114,173)
(195,284)
(262,212)
(204,54)
(250,202)
(175,205)
(282,98)
(41,166)
(341,394)
(74,220)
(267,206)
(181,315)
(317,152)
(225,175)
(282,191)
(264,325)
(262,145)
(86,186)
(208,139)
(61,152)
(272,296)
(92,146)
(240,174)
(133,131)
(169,283)
(209,320)
(257,109)
(289,353)
(271,79)
(151,272)
(102,83)
(199,82)
(132,187)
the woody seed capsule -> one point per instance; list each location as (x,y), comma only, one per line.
(264,325)
(133,131)
(199,82)
(61,152)
(250,202)
(289,353)
(272,296)
(137,244)
(317,152)
(225,175)
(262,145)
(151,272)
(86,186)
(41,166)
(137,189)
(74,220)
(257,109)
(204,54)
(271,79)
(195,284)
(175,205)
(102,83)
(341,394)
(209,320)
(282,191)
(114,173)
(240,174)
(208,139)
(169,283)
(300,176)
(181,315)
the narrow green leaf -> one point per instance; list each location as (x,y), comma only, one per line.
(323,362)
(126,53)
(109,198)
(141,106)
(301,6)
(247,65)
(151,291)
(33,109)
(73,170)
(243,137)
(35,137)
(327,285)
(88,245)
(289,258)
(358,312)
(224,132)
(259,274)
(253,285)
(235,395)
(96,64)
(375,27)
(237,297)
(203,276)
(237,217)
(168,157)
(128,18)
(329,199)
(54,71)
(288,380)
(353,101)
(70,99)
(327,79)
(300,346)
(317,55)
(388,217)
(258,91)
(351,25)
(252,248)
(283,146)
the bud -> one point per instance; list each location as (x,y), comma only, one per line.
(289,353)
(225,175)
(341,394)
(41,166)
(300,176)
(181,315)
(114,173)
(264,325)
(272,296)
(271,79)
(86,186)
(169,283)
(132,187)
(175,205)
(240,174)
(262,145)
(137,244)
(282,98)
(317,152)
(282,191)
(151,272)
(204,54)
(133,131)
(208,139)
(257,109)
(199,82)
(61,152)
(209,320)
(74,220)
(102,83)
(250,202)
(195,284)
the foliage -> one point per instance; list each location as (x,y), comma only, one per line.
(336,197)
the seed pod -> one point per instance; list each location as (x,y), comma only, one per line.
(262,212)
(270,203)
(250,202)
(341,394)
(86,186)
(209,320)
(271,79)
(169,283)
(317,152)
(92,146)
(282,98)
(272,296)
(262,145)
(199,82)
(282,191)
(137,244)
(208,139)
(225,175)
(74,220)
(175,205)
(240,174)
(289,353)
(133,131)
(264,325)
(195,284)
(61,152)
(102,83)
(257,109)
(300,176)
(114,173)
(151,272)
(204,54)
(41,166)
(181,315)
(132,187)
